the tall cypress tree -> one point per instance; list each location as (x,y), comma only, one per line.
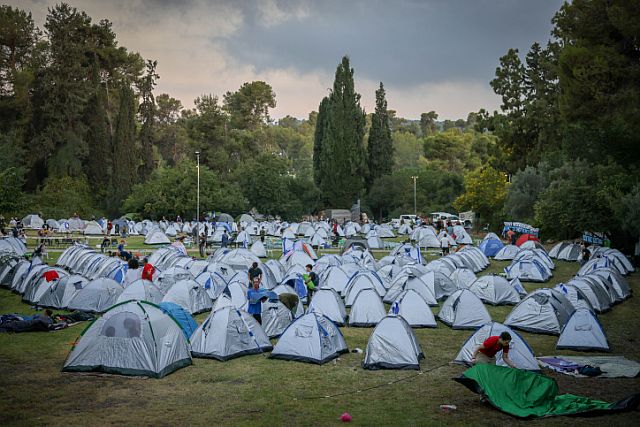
(380,146)
(99,161)
(321,122)
(147,114)
(342,151)
(125,159)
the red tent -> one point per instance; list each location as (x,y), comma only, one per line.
(525,238)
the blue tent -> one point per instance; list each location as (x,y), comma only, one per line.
(183,318)
(491,247)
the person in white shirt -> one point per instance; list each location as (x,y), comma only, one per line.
(444,244)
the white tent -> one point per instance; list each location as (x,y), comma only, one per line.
(133,338)
(464,310)
(392,345)
(141,290)
(519,351)
(97,296)
(156,237)
(311,338)
(583,332)
(329,303)
(92,228)
(544,311)
(414,309)
(495,290)
(228,333)
(189,295)
(276,317)
(62,292)
(258,249)
(463,277)
(367,309)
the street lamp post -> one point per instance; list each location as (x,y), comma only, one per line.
(198,201)
(415,210)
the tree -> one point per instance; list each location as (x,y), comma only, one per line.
(171,191)
(523,193)
(248,107)
(342,153)
(319,168)
(485,190)
(147,111)
(125,160)
(428,123)
(380,144)
(60,197)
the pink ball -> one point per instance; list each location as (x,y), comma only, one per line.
(345,417)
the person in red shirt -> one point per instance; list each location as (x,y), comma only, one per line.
(486,353)
(148,270)
(50,275)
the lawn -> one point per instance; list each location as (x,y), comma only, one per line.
(258,391)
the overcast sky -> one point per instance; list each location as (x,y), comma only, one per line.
(430,54)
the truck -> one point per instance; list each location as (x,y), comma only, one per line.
(407,218)
(467,218)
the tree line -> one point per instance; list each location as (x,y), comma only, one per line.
(83,131)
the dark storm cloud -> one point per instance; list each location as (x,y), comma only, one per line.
(403,43)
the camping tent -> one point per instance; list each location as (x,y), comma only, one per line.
(583,332)
(228,333)
(311,338)
(32,221)
(527,270)
(276,317)
(414,309)
(131,338)
(494,290)
(181,316)
(544,311)
(463,277)
(97,296)
(92,228)
(392,345)
(156,237)
(507,253)
(519,351)
(490,247)
(464,310)
(329,303)
(367,309)
(189,295)
(142,290)
(62,292)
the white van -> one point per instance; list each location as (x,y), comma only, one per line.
(407,218)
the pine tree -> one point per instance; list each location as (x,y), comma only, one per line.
(99,161)
(380,145)
(125,159)
(342,155)
(321,122)
(147,114)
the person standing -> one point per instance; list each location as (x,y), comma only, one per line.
(311,281)
(225,239)
(255,296)
(585,254)
(263,234)
(444,244)
(133,271)
(254,272)
(148,270)
(486,353)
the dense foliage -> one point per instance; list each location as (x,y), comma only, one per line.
(82,131)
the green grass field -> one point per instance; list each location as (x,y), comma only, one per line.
(259,391)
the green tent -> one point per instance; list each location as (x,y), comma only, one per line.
(528,394)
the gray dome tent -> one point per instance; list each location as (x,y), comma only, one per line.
(131,338)
(156,237)
(142,290)
(329,303)
(311,338)
(507,253)
(367,309)
(97,296)
(189,295)
(276,317)
(583,332)
(495,290)
(464,310)
(544,311)
(392,345)
(528,270)
(62,292)
(414,309)
(228,333)
(519,351)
